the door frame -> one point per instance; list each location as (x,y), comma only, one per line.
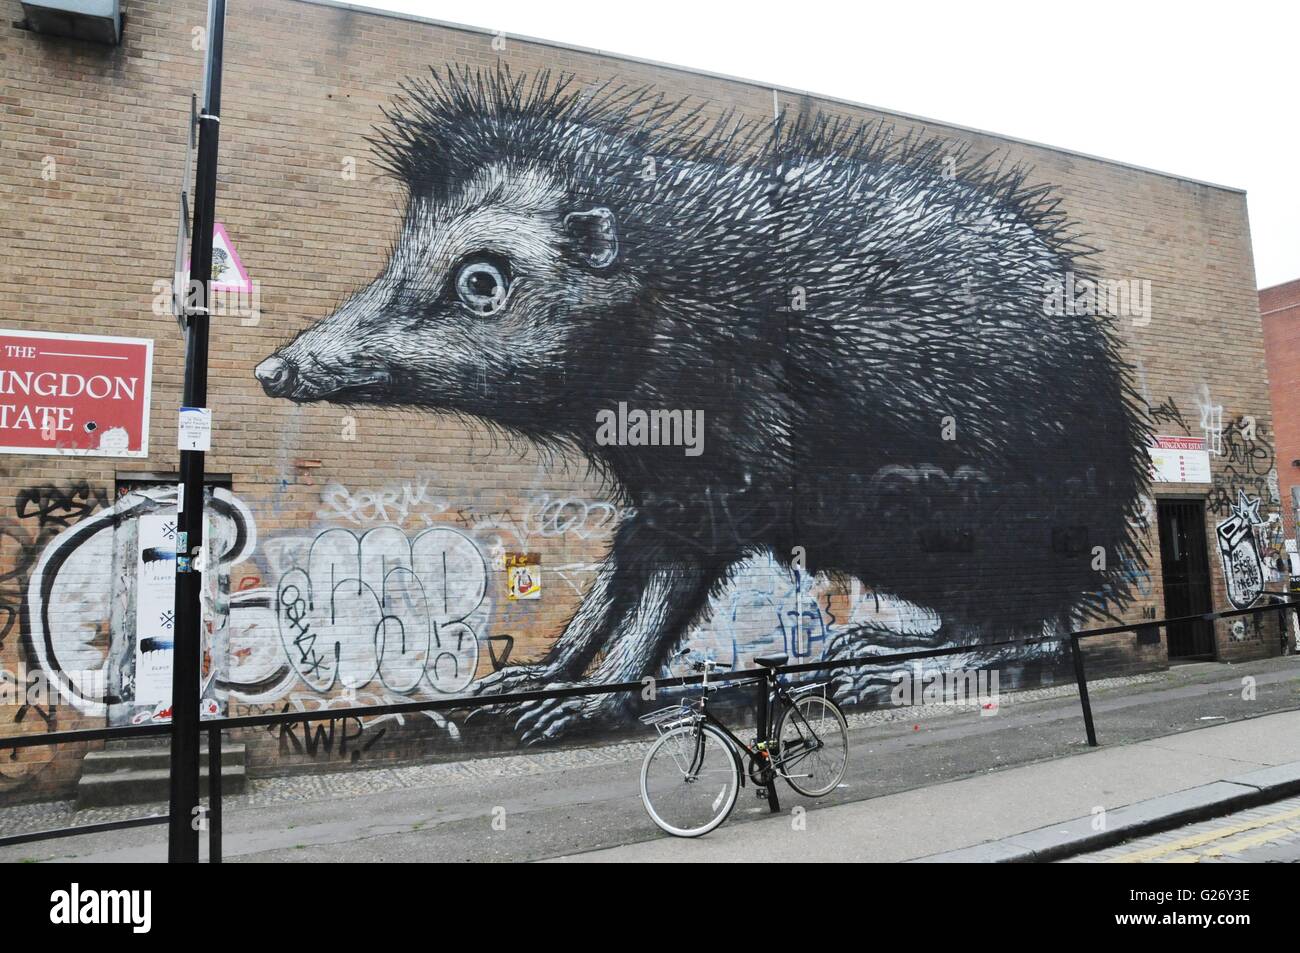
(1201,500)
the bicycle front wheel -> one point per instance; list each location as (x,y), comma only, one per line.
(689,780)
(813,745)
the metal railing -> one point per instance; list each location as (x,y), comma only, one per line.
(215,727)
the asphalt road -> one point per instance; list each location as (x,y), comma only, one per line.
(1266,834)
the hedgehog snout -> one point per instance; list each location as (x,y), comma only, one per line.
(277,375)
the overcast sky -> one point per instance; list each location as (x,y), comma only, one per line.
(1209,91)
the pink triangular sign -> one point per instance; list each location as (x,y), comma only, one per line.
(228,271)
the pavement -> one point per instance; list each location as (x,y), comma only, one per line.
(921,782)
(1034,812)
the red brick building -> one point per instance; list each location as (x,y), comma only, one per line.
(1279,311)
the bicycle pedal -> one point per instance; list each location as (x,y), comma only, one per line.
(760,793)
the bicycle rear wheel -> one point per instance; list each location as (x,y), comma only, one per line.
(813,745)
(689,780)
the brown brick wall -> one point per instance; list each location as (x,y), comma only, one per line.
(303,85)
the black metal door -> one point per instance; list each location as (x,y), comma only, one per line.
(1185,568)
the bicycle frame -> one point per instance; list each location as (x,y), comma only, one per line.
(764,761)
(769,763)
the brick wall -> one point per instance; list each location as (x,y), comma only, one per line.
(1279,309)
(92,141)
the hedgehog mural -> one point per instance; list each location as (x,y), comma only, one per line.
(860,319)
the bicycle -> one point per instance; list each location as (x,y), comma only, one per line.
(692,775)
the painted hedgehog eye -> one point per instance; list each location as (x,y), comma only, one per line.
(483,283)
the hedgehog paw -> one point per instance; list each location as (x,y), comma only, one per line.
(549,718)
(507,681)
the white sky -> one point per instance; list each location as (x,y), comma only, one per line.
(1202,90)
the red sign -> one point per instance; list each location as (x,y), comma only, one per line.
(74,394)
(1180,443)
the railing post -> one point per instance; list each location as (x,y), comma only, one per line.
(214,795)
(1082,681)
(763,730)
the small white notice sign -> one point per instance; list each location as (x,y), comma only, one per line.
(195,430)
(1180,460)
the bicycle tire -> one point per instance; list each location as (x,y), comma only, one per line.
(720,768)
(832,729)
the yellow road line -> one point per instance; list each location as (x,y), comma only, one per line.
(1199,840)
(1245,843)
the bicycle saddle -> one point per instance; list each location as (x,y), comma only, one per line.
(771,661)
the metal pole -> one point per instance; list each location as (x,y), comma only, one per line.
(183,823)
(1083,690)
(764,730)
(214,795)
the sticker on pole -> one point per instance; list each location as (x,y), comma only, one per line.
(195,429)
(74,394)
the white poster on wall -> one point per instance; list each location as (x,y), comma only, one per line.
(1180,460)
(155,608)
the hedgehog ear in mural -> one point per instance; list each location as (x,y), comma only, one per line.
(858,320)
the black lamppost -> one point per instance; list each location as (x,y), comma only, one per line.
(183,828)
